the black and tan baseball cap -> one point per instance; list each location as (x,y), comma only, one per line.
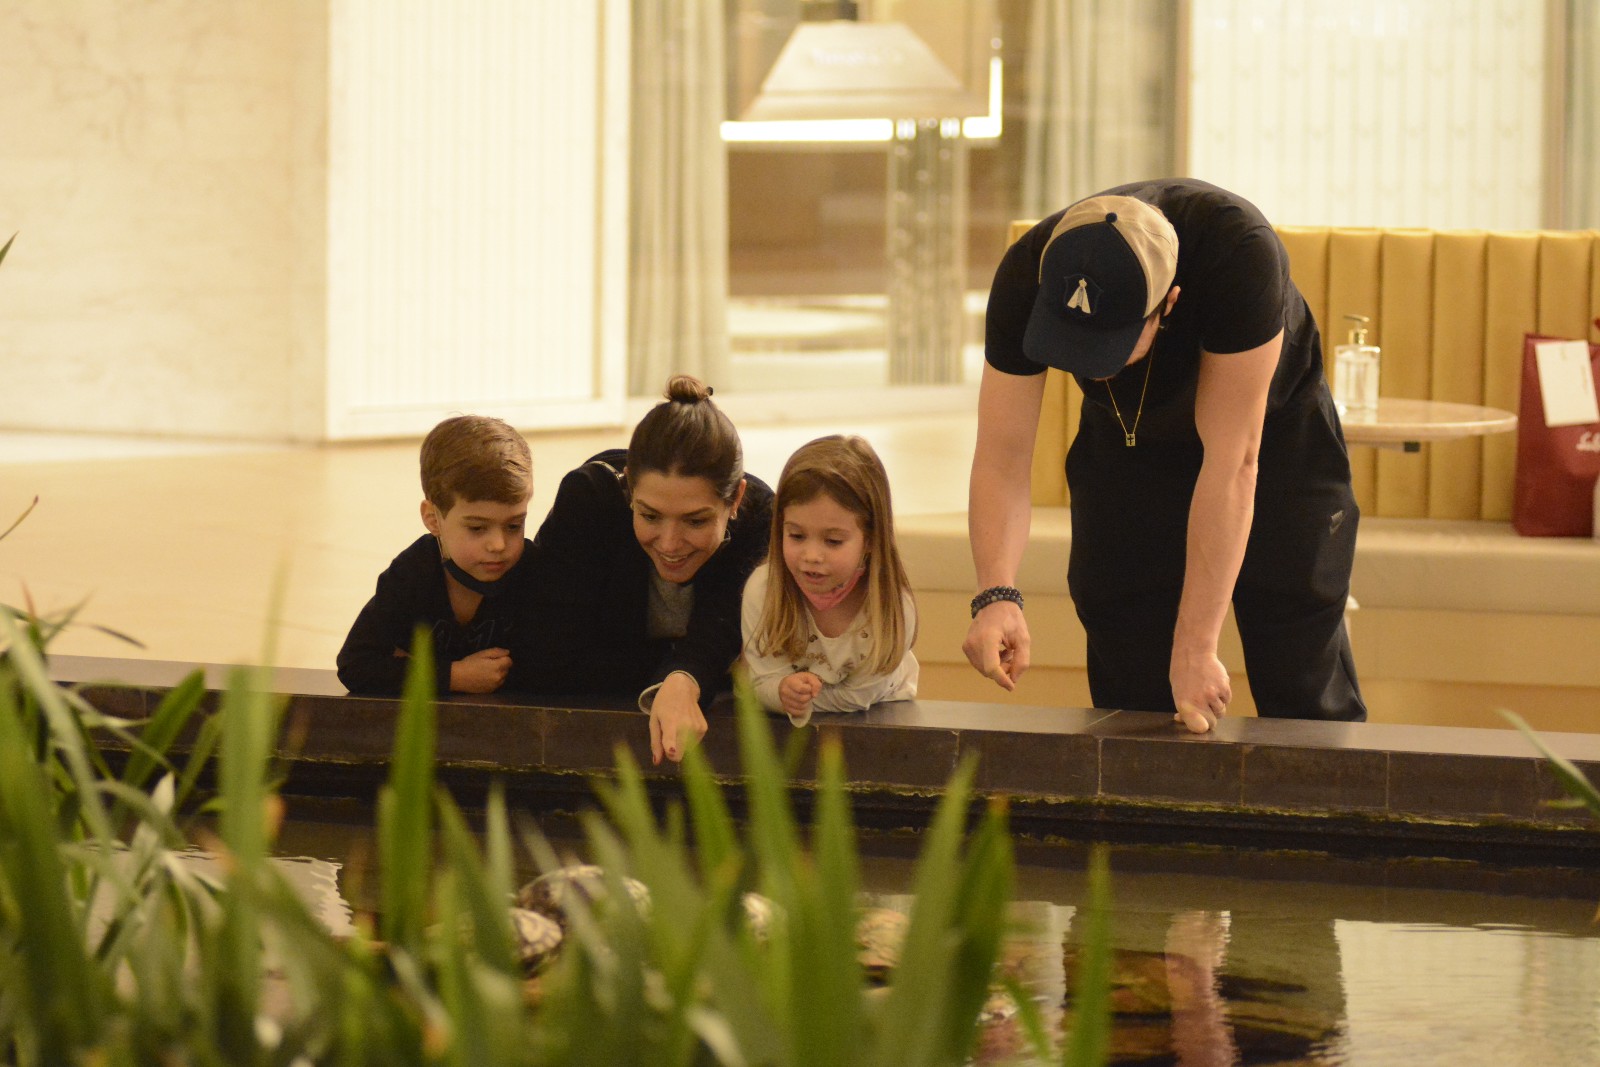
(1108,264)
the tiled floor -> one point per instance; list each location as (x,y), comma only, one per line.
(223,552)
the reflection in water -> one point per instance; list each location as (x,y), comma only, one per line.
(1186,1006)
(1301,973)
(1500,968)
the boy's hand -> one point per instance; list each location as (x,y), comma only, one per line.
(481,672)
(797,691)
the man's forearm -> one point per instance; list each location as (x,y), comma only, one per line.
(998,520)
(1219,527)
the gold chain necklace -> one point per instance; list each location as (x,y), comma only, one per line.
(1127,434)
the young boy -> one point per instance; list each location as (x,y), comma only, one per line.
(461,578)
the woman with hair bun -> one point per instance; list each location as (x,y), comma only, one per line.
(639,568)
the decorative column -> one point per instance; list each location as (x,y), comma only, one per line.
(927,251)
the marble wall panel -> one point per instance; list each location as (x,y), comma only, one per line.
(147,159)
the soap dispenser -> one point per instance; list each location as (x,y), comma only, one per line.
(1355,371)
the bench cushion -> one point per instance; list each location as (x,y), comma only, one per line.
(1434,564)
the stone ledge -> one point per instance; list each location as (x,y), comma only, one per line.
(1369,786)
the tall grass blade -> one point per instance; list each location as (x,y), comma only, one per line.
(773,840)
(498,862)
(206,741)
(772,832)
(683,921)
(477,900)
(405,828)
(920,993)
(484,1004)
(721,954)
(827,981)
(250,728)
(35,501)
(65,736)
(980,922)
(61,1004)
(1567,773)
(1090,1042)
(716,839)
(166,724)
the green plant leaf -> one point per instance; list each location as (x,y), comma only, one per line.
(1567,773)
(772,833)
(1089,1044)
(716,840)
(498,862)
(35,501)
(920,992)
(474,896)
(827,978)
(63,1006)
(405,827)
(149,751)
(250,728)
(65,734)
(980,921)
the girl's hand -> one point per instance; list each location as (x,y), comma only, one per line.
(676,721)
(797,691)
(481,672)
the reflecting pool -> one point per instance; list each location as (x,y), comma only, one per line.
(1238,957)
(1246,958)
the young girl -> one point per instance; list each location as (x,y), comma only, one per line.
(829,619)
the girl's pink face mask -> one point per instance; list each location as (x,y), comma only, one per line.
(824,601)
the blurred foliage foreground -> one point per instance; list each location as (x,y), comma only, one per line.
(115,948)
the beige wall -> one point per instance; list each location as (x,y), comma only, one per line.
(163,165)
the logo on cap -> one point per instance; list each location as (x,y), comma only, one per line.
(1084,295)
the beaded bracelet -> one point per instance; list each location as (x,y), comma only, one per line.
(993,595)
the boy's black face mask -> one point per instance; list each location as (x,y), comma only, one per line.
(477,585)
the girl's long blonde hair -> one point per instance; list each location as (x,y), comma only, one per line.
(849,472)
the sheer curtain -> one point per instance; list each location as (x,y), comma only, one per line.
(678,266)
(1373,112)
(1101,81)
(1582,192)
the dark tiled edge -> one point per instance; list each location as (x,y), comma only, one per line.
(353,729)
(126,701)
(892,756)
(1193,771)
(1548,788)
(1080,763)
(1453,786)
(588,740)
(513,738)
(1000,718)
(1029,764)
(1309,779)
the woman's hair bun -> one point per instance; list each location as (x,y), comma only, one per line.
(687,389)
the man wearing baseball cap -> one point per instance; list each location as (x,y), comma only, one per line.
(1209,464)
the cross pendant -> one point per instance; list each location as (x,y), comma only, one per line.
(1128,438)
